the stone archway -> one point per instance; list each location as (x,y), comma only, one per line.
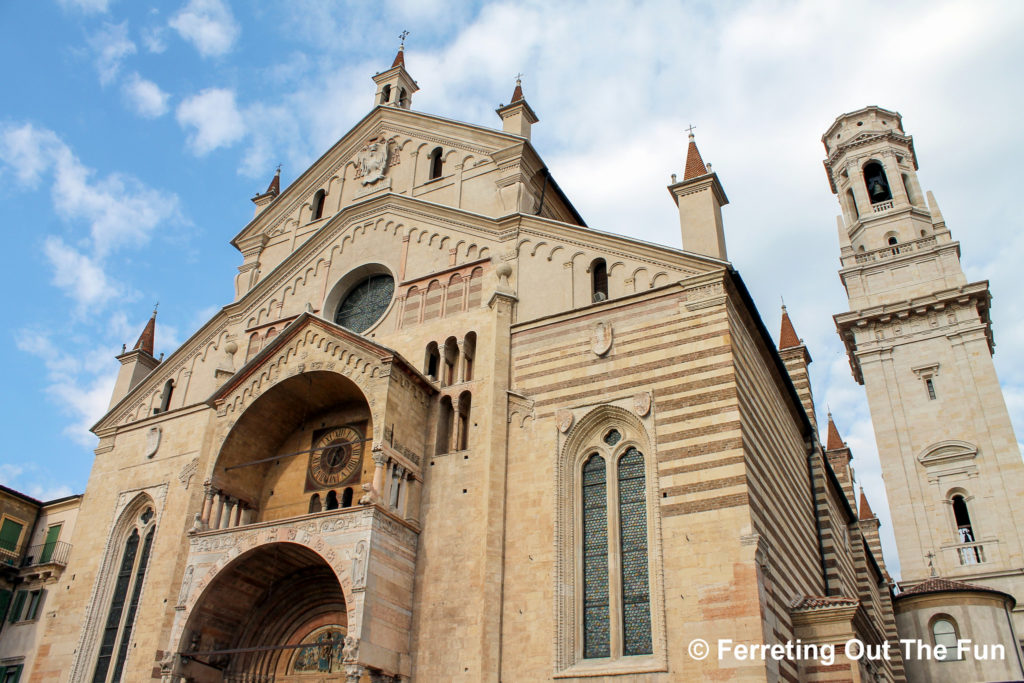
(275,613)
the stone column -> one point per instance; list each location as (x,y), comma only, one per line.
(895,178)
(379,460)
(208,493)
(412,500)
(225,519)
(860,190)
(460,362)
(397,472)
(353,672)
(218,510)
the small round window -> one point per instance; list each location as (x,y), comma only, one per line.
(365,303)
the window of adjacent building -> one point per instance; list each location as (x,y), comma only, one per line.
(930,386)
(944,633)
(124,601)
(50,543)
(10,673)
(10,534)
(35,598)
(5,602)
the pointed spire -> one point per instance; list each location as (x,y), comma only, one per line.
(400,57)
(865,509)
(787,337)
(275,185)
(517,94)
(148,336)
(694,164)
(834,440)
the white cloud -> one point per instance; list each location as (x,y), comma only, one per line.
(145,97)
(87,6)
(208,25)
(119,210)
(77,381)
(111,46)
(79,275)
(214,118)
(153,39)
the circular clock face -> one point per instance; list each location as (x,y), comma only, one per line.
(336,456)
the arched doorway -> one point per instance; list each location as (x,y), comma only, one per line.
(276,613)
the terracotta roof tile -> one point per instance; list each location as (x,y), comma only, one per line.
(834,440)
(820,601)
(937,584)
(787,338)
(399,58)
(694,164)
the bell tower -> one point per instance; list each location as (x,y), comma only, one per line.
(919,338)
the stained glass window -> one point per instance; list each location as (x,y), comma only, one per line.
(636,612)
(596,620)
(612,437)
(124,577)
(365,303)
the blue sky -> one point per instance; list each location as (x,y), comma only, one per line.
(133,134)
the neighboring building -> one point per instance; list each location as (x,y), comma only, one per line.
(919,339)
(448,432)
(33,554)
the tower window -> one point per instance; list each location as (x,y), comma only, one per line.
(930,386)
(432,361)
(877,183)
(462,436)
(599,280)
(944,633)
(385,94)
(403,98)
(165,398)
(317,207)
(965,532)
(444,426)
(436,163)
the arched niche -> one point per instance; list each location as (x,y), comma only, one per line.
(285,421)
(256,609)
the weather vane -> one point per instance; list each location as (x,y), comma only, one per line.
(403,36)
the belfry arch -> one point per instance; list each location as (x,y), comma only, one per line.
(276,612)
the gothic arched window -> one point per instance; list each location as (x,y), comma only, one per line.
(138,528)
(605,533)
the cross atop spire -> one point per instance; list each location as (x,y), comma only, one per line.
(517,94)
(400,57)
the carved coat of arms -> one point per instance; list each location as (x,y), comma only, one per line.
(373,160)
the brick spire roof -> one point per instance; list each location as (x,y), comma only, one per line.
(787,338)
(517,94)
(834,440)
(148,336)
(400,57)
(865,509)
(694,164)
(274,187)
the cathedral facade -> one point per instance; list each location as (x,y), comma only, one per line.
(448,432)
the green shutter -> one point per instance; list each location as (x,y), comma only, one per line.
(10,534)
(5,600)
(52,534)
(35,597)
(19,603)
